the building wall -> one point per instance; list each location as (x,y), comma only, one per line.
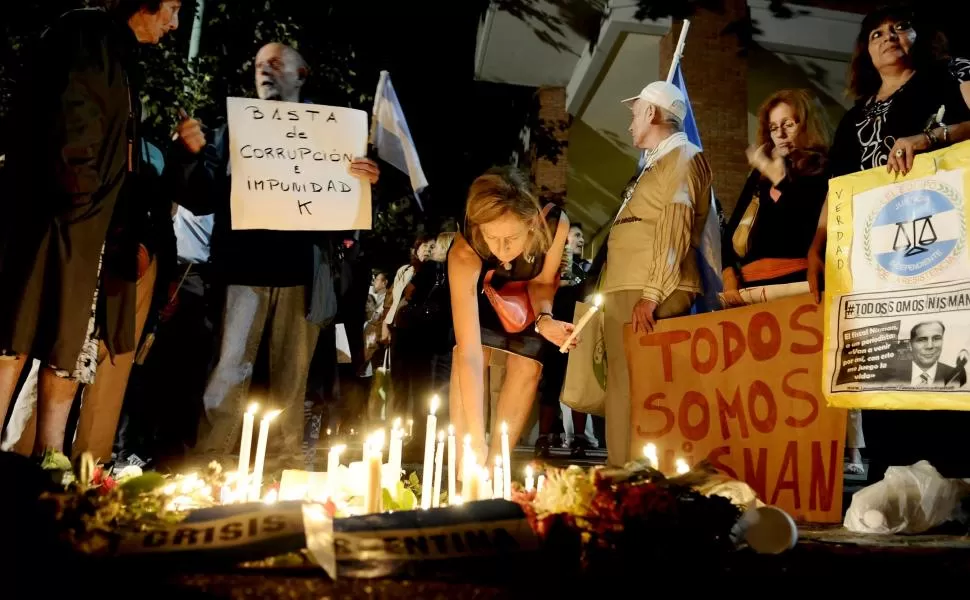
(549,141)
(716,75)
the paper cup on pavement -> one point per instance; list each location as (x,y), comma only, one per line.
(768,530)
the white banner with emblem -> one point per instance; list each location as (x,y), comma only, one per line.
(898,286)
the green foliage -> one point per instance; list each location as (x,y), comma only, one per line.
(145,484)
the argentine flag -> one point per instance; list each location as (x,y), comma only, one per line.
(392,138)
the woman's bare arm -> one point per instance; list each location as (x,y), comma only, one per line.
(464,269)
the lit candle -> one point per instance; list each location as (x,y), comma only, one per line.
(439,460)
(499,479)
(650,452)
(333,468)
(396,449)
(452,457)
(410,428)
(470,486)
(467,461)
(530,480)
(540,482)
(682,466)
(271,497)
(257,485)
(506,464)
(427,474)
(597,302)
(372,464)
(246,444)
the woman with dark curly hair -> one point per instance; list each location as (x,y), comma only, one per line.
(912,97)
(901,77)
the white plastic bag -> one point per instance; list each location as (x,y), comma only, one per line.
(908,500)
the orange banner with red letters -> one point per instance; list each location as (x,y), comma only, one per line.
(742,388)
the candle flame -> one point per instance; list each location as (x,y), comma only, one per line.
(650,450)
(328,431)
(338,449)
(682,466)
(271,497)
(451,430)
(529,471)
(271,415)
(435,401)
(457,501)
(468,439)
(253,408)
(598,300)
(397,423)
(441,436)
(498,461)
(505,428)
(378,439)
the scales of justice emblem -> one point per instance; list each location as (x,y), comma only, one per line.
(916,232)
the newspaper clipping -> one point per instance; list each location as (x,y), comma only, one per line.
(916,339)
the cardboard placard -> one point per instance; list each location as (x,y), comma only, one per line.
(897,286)
(741,388)
(290,165)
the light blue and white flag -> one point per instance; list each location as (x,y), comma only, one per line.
(392,138)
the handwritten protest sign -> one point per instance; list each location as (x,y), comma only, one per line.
(290,166)
(741,388)
(897,286)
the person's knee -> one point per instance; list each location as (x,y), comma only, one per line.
(523,370)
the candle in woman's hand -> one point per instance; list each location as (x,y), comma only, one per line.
(499,478)
(257,482)
(427,473)
(439,460)
(597,302)
(506,464)
(452,457)
(246,445)
(530,481)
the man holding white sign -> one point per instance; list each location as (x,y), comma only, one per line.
(268,273)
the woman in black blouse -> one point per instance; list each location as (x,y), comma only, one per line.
(900,76)
(774,220)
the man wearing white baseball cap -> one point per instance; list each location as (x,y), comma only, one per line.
(655,237)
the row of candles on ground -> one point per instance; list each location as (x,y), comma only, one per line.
(480,482)
(650,453)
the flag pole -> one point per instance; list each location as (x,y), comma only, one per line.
(378,95)
(679,51)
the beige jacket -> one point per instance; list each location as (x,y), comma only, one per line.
(652,245)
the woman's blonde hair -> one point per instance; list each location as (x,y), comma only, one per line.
(501,191)
(444,241)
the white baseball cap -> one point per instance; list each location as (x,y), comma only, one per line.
(665,95)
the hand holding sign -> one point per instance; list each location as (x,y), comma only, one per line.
(643,319)
(365,168)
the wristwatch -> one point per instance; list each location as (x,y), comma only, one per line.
(539,319)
